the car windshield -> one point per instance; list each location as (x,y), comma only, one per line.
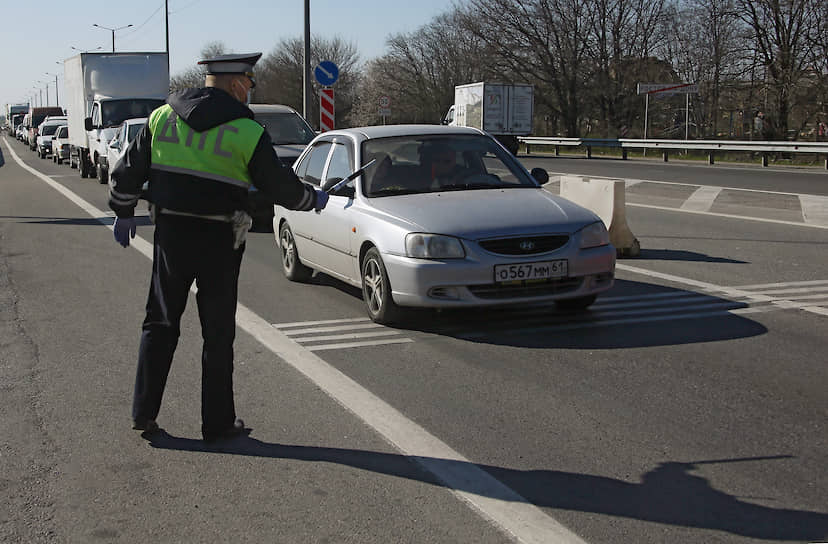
(115,112)
(286,128)
(133,131)
(48,130)
(429,163)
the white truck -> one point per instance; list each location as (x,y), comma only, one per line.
(12,111)
(104,89)
(503,110)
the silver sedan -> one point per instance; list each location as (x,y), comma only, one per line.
(440,217)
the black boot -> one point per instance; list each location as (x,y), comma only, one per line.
(237,429)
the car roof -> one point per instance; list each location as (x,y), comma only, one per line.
(271,108)
(387,131)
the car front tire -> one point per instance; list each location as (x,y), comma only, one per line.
(291,265)
(376,290)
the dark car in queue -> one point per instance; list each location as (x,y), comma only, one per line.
(290,134)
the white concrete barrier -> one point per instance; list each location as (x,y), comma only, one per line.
(607,198)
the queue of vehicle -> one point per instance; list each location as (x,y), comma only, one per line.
(482,233)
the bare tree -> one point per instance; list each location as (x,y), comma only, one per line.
(280,76)
(539,42)
(708,49)
(622,37)
(420,71)
(780,33)
(194,77)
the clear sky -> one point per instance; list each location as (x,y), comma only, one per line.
(36,37)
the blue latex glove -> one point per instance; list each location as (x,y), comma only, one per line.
(321,200)
(124,230)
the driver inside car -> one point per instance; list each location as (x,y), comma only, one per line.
(441,165)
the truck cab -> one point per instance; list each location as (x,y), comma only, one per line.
(102,125)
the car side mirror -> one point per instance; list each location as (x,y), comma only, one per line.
(329,183)
(87,123)
(540,175)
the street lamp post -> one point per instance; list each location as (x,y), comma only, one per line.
(41,92)
(57,98)
(113,32)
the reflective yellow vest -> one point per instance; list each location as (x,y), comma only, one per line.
(221,153)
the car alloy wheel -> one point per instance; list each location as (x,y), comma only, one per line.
(292,266)
(376,290)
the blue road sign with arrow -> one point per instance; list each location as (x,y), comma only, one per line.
(326,73)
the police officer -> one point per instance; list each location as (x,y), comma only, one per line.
(200,151)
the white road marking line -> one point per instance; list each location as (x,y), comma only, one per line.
(298,332)
(512,513)
(352,336)
(793,290)
(702,199)
(325,322)
(347,345)
(783,284)
(808,297)
(817,310)
(814,209)
(732,216)
(631,181)
(710,287)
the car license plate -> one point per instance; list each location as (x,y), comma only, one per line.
(531,271)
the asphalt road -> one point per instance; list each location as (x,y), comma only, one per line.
(688,405)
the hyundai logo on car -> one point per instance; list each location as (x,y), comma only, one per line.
(527,245)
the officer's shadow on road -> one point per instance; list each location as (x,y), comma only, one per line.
(668,494)
(140,220)
(2,158)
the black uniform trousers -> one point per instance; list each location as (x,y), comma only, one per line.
(191,249)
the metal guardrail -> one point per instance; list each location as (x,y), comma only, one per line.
(665,146)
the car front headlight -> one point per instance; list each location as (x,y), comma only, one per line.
(433,246)
(594,235)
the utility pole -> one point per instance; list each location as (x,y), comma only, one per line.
(306,89)
(57,98)
(167,31)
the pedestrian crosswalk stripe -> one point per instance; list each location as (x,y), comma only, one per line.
(348,336)
(310,334)
(356,344)
(298,332)
(325,322)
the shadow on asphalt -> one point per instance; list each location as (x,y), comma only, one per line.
(668,494)
(140,220)
(648,315)
(2,158)
(683,255)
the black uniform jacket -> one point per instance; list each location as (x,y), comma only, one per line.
(203,109)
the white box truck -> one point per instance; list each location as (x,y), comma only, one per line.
(103,90)
(503,110)
(14,113)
